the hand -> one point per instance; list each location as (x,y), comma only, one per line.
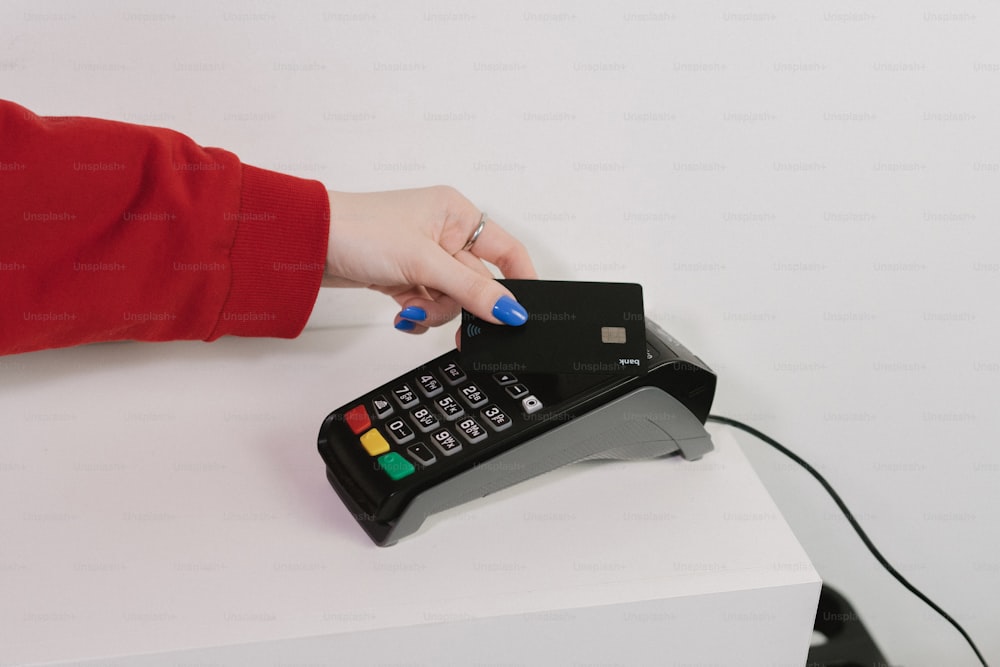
(408,244)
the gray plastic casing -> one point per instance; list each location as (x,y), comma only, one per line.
(644,423)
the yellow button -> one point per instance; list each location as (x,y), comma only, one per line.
(374,443)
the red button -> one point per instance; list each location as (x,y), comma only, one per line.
(357,418)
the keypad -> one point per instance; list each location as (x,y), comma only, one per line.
(437,412)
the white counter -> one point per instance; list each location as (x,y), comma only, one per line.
(165,504)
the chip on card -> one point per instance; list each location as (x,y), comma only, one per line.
(572,327)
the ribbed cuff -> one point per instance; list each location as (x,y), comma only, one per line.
(278,255)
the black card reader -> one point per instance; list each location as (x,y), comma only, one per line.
(441,435)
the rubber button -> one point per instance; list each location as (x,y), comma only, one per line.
(357,418)
(395,465)
(374,443)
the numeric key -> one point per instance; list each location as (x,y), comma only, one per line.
(473,395)
(405,396)
(429,385)
(495,417)
(453,373)
(471,430)
(399,431)
(446,443)
(425,420)
(449,408)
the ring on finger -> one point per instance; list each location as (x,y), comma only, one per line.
(475,234)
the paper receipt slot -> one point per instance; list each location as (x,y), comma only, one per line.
(442,435)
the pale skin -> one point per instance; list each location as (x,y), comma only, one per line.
(408,244)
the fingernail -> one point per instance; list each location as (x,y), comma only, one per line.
(414,313)
(509,311)
(405,325)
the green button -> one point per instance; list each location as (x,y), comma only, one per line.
(395,465)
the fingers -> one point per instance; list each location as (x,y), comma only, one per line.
(499,248)
(419,263)
(472,288)
(465,282)
(417,314)
(431,308)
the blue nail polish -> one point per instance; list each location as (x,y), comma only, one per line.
(414,313)
(509,311)
(405,325)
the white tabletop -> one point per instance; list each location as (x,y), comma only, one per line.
(167,497)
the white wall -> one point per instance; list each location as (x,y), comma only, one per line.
(806,191)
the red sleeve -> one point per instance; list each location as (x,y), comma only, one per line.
(114,231)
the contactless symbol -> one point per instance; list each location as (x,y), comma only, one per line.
(472,330)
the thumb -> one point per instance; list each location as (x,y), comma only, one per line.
(473,288)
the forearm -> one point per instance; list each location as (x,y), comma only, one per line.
(112,231)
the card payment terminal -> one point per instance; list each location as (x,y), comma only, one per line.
(442,435)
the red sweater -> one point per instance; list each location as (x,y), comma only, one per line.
(114,231)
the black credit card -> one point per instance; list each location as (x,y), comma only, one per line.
(572,327)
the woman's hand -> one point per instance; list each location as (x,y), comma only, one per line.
(409,244)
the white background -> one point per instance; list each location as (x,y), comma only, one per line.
(806,192)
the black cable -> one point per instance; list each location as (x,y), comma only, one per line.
(854,524)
